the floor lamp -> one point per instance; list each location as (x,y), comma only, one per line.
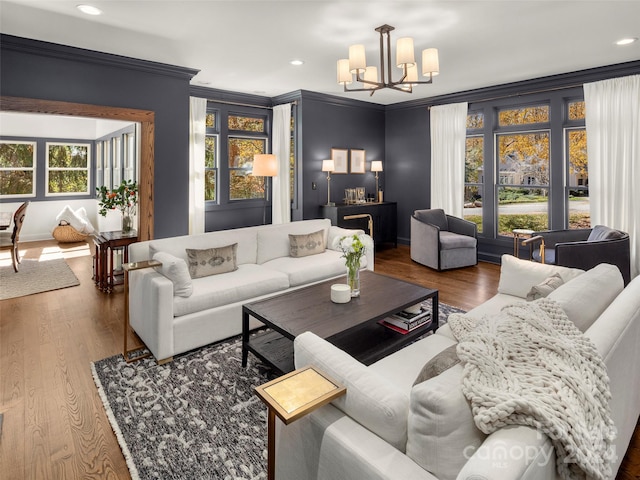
(328,166)
(265,165)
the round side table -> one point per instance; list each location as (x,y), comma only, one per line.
(518,234)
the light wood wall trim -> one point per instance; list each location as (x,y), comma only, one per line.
(146,118)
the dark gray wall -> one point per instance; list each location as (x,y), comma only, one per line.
(40,70)
(408,163)
(331,122)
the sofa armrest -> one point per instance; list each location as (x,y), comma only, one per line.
(327,445)
(518,453)
(462,226)
(151,310)
(339,232)
(586,255)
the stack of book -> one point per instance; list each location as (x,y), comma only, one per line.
(405,321)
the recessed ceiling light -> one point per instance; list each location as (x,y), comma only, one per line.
(296,62)
(89,9)
(626,41)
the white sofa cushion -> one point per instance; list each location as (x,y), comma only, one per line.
(246,238)
(273,240)
(584,298)
(370,400)
(312,268)
(248,281)
(518,276)
(176,270)
(441,432)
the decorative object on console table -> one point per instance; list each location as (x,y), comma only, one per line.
(357,161)
(328,166)
(265,165)
(339,157)
(291,397)
(124,198)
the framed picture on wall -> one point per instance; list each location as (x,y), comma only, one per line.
(357,161)
(339,157)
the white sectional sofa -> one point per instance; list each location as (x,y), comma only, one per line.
(387,428)
(170,323)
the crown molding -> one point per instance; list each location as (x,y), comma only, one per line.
(65,52)
(526,87)
(226,96)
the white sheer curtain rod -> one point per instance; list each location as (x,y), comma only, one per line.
(247,104)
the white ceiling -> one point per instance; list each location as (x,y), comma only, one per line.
(246,46)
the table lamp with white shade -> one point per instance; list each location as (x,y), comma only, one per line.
(328,166)
(376,166)
(265,165)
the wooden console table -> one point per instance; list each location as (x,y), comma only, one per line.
(105,274)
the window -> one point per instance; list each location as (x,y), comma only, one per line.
(17,169)
(474,169)
(577,174)
(523,181)
(67,168)
(211,157)
(242,185)
(292,160)
(99,171)
(247,140)
(116,143)
(129,152)
(526,163)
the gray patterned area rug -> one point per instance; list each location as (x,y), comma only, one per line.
(35,276)
(194,418)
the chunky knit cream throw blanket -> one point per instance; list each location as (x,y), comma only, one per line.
(530,365)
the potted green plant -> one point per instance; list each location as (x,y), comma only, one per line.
(124,198)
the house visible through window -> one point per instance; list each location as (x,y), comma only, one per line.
(517,153)
(17,169)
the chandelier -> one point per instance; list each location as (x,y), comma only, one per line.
(405,60)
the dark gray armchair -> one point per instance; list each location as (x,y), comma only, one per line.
(443,241)
(583,248)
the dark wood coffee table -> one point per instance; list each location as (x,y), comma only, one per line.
(353,326)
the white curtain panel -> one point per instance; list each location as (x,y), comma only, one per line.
(448,138)
(197,131)
(613,149)
(281,202)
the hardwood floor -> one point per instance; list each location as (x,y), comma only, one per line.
(54,425)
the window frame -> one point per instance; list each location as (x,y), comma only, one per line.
(213,131)
(33,169)
(48,168)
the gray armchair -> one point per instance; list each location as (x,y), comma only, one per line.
(443,241)
(583,248)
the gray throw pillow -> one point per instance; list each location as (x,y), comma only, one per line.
(212,261)
(438,364)
(308,244)
(545,287)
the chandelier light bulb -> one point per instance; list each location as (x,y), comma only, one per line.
(345,77)
(430,63)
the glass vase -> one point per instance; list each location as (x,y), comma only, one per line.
(127,222)
(353,280)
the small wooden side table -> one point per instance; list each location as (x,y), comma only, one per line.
(518,234)
(291,397)
(128,267)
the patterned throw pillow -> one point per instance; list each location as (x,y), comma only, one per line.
(305,245)
(212,261)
